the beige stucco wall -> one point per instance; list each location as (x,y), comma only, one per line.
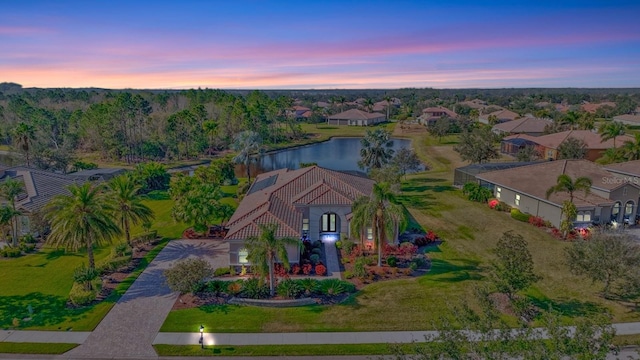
(315,215)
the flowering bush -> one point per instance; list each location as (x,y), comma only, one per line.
(537,221)
(321,270)
(295,269)
(408,249)
(280,271)
(493,203)
(306,269)
(432,236)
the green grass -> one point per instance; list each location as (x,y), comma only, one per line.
(35,348)
(275,350)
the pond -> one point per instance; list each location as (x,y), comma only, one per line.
(337,154)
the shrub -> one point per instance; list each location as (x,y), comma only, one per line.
(255,289)
(407,249)
(338,244)
(27,248)
(321,270)
(348,246)
(306,269)
(408,271)
(317,244)
(503,206)
(537,221)
(280,271)
(216,287)
(11,252)
(348,274)
(314,258)
(296,269)
(432,236)
(80,296)
(144,237)
(359,269)
(186,274)
(308,285)
(121,249)
(84,275)
(392,261)
(222,271)
(331,287)
(317,251)
(371,260)
(520,216)
(234,288)
(493,203)
(413,266)
(112,264)
(289,289)
(28,239)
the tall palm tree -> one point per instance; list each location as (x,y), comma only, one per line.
(6,220)
(376,149)
(388,107)
(611,131)
(380,213)
(123,191)
(82,219)
(9,190)
(265,248)
(631,149)
(24,134)
(246,143)
(565,183)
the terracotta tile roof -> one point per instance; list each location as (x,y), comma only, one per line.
(628,119)
(589,107)
(592,140)
(279,195)
(355,114)
(501,115)
(534,180)
(439,110)
(524,125)
(631,168)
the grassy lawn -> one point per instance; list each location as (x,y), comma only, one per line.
(35,348)
(470,231)
(275,350)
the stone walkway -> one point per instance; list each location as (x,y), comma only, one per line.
(130,327)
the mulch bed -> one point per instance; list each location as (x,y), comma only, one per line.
(112,280)
(188,301)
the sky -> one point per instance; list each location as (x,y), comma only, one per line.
(304,44)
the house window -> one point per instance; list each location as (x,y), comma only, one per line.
(628,209)
(583,216)
(517,199)
(615,211)
(329,222)
(242,256)
(305,224)
(369,233)
(498,191)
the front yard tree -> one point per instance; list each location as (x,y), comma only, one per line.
(380,213)
(82,219)
(604,257)
(406,160)
(377,149)
(152,176)
(440,128)
(247,144)
(129,207)
(513,268)
(263,250)
(24,134)
(186,275)
(9,190)
(195,202)
(477,146)
(6,221)
(572,148)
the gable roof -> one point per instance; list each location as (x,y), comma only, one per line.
(592,140)
(631,168)
(40,186)
(524,125)
(355,114)
(501,115)
(589,107)
(278,197)
(628,119)
(534,180)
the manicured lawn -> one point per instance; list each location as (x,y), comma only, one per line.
(35,348)
(275,350)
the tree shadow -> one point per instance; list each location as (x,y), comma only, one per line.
(58,253)
(567,307)
(216,309)
(421,184)
(46,310)
(454,271)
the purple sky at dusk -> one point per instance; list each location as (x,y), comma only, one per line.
(324,44)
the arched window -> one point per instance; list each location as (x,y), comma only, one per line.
(628,209)
(329,222)
(615,211)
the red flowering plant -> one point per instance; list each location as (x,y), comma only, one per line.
(306,269)
(493,203)
(321,270)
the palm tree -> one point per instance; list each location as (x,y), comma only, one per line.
(571,118)
(264,249)
(611,131)
(247,143)
(127,203)
(6,220)
(631,149)
(376,149)
(368,103)
(9,190)
(388,107)
(380,213)
(565,183)
(82,219)
(24,134)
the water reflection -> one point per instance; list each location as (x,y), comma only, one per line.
(337,154)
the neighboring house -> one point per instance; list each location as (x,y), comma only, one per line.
(356,117)
(431,114)
(500,116)
(628,172)
(300,112)
(611,198)
(469,173)
(592,108)
(40,187)
(381,106)
(628,119)
(547,145)
(527,125)
(312,202)
(474,104)
(104,174)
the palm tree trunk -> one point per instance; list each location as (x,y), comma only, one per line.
(271,277)
(14,231)
(125,221)
(92,262)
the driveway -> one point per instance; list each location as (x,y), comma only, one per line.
(130,327)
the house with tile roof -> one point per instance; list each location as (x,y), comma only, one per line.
(547,145)
(628,119)
(356,117)
(612,198)
(592,108)
(526,125)
(431,114)
(311,202)
(39,188)
(500,116)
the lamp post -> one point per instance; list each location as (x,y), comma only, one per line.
(202,336)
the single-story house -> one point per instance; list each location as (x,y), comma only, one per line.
(100,174)
(526,125)
(611,197)
(469,173)
(500,116)
(547,145)
(300,112)
(39,188)
(431,114)
(356,117)
(628,119)
(312,203)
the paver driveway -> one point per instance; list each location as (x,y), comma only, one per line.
(129,328)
